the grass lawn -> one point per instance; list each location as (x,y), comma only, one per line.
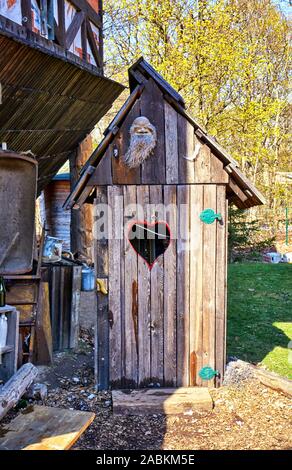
(260,314)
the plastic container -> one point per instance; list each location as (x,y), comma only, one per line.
(287,258)
(3,330)
(88,279)
(272,257)
(52,250)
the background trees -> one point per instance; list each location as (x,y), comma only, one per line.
(230,60)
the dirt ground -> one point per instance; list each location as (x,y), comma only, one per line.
(249,417)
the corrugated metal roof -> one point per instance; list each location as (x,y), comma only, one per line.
(48,105)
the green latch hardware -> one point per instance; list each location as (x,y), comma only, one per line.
(208,373)
(208,216)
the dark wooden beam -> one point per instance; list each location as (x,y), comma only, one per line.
(93,45)
(235,188)
(26,14)
(61,23)
(84,6)
(100,9)
(74,28)
(84,39)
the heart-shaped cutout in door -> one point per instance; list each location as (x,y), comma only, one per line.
(149,240)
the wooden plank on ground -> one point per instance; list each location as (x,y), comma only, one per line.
(183,286)
(209,281)
(115,201)
(130,292)
(171,144)
(45,428)
(144,309)
(170,289)
(168,401)
(157,294)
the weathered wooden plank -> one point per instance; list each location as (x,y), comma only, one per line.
(221,283)
(49,429)
(67,306)
(61,308)
(75,306)
(196,284)
(121,174)
(130,292)
(186,167)
(170,306)
(103,172)
(13,390)
(226,278)
(115,315)
(153,169)
(171,144)
(157,294)
(202,163)
(209,281)
(55,274)
(101,270)
(217,173)
(44,344)
(144,295)
(168,401)
(208,168)
(183,285)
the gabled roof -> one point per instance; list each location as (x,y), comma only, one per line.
(240,189)
(141,69)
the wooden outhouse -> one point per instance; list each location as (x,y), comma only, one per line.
(162,297)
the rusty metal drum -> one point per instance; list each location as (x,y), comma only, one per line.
(18,185)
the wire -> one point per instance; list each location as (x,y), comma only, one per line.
(151,231)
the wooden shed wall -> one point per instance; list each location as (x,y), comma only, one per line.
(162,325)
(57,219)
(176,140)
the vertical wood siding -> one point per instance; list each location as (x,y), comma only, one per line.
(166,323)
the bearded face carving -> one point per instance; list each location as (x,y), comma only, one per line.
(142,142)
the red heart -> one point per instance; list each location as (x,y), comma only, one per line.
(149,240)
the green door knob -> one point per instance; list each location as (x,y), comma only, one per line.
(208,373)
(208,216)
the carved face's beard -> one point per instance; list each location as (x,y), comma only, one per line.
(141,147)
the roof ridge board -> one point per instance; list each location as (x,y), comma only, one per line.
(143,66)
